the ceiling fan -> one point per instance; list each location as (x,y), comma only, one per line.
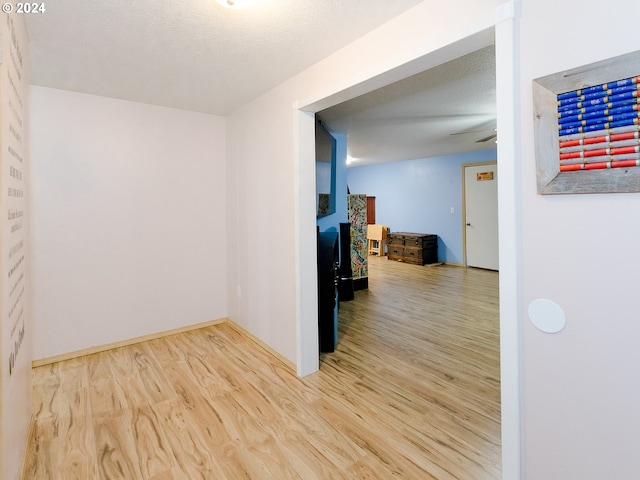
(493,135)
(488,137)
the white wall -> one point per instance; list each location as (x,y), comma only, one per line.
(129,214)
(261,219)
(580,387)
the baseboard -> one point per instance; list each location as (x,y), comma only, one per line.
(123,343)
(153,336)
(284,360)
(453,264)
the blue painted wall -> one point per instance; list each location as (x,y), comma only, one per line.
(331,223)
(417,196)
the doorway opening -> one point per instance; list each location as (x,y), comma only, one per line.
(415,316)
(505,36)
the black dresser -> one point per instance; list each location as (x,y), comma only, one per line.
(327,290)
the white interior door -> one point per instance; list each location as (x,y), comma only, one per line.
(481,216)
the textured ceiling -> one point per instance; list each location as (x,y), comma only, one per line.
(445,110)
(197,55)
(191,54)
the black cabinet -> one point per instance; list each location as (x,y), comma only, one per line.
(328,258)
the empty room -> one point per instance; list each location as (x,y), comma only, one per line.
(159,253)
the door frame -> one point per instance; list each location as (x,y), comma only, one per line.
(464,205)
(505,33)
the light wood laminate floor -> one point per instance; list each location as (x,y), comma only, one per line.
(411,392)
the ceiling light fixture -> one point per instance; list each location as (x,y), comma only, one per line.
(234,3)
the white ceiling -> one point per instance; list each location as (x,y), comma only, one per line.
(445,110)
(196,55)
(191,54)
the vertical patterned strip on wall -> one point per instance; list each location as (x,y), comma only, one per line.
(15,376)
(357,207)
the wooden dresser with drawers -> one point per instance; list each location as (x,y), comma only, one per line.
(416,248)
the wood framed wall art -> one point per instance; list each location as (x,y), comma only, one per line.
(587,130)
